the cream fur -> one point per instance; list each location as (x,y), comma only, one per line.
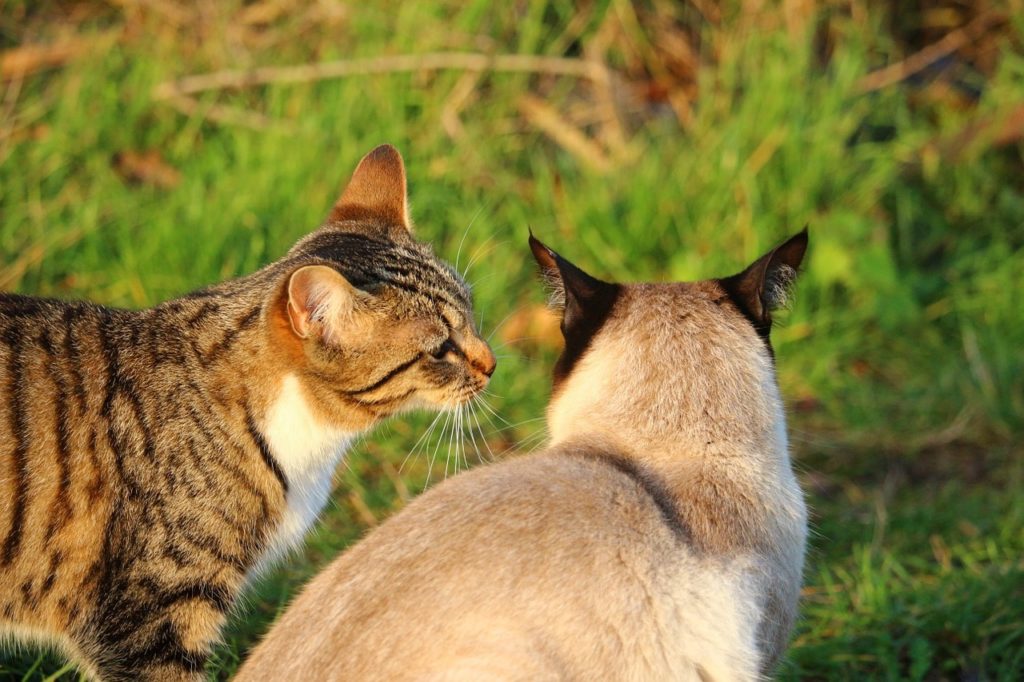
(557,566)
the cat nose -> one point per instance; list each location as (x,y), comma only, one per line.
(485,362)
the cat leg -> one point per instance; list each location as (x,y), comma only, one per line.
(155,665)
(172,646)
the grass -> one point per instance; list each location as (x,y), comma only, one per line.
(900,358)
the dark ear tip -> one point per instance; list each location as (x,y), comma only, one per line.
(545,257)
(385,156)
(383,151)
(793,249)
(800,238)
(537,245)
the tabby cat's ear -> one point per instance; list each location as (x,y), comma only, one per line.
(765,285)
(581,298)
(377,191)
(320,301)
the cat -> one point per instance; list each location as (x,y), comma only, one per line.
(660,536)
(153,462)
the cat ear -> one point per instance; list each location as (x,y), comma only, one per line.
(766,283)
(377,191)
(320,300)
(572,291)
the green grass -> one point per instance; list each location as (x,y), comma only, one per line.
(900,358)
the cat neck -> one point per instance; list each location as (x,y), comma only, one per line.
(714,446)
(252,377)
(307,450)
(303,443)
(306,447)
(305,439)
(668,424)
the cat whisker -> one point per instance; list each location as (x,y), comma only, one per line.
(437,447)
(465,420)
(529,444)
(460,437)
(453,446)
(448,432)
(480,319)
(533,437)
(461,448)
(476,252)
(492,275)
(515,340)
(503,321)
(453,439)
(472,436)
(494,413)
(509,430)
(483,437)
(482,250)
(527,421)
(435,437)
(508,449)
(425,435)
(465,234)
(448,453)
(541,439)
(462,434)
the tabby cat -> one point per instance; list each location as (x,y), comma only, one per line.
(660,536)
(153,461)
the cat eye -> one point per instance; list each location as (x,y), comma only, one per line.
(444,349)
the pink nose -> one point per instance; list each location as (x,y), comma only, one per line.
(485,361)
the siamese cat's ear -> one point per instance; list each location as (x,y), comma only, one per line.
(766,283)
(321,302)
(377,191)
(578,295)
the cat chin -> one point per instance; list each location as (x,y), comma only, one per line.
(440,399)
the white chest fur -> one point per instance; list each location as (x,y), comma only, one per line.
(307,452)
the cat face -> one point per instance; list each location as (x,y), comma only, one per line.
(378,322)
(686,361)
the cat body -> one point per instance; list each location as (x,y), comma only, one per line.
(153,462)
(659,537)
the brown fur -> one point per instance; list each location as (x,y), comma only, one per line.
(142,480)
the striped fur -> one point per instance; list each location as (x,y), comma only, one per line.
(151,462)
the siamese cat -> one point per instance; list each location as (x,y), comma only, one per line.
(660,536)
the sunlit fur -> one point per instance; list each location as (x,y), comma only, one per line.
(660,536)
(153,462)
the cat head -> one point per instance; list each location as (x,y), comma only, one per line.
(373,321)
(686,363)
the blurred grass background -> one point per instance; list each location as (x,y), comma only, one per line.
(645,140)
